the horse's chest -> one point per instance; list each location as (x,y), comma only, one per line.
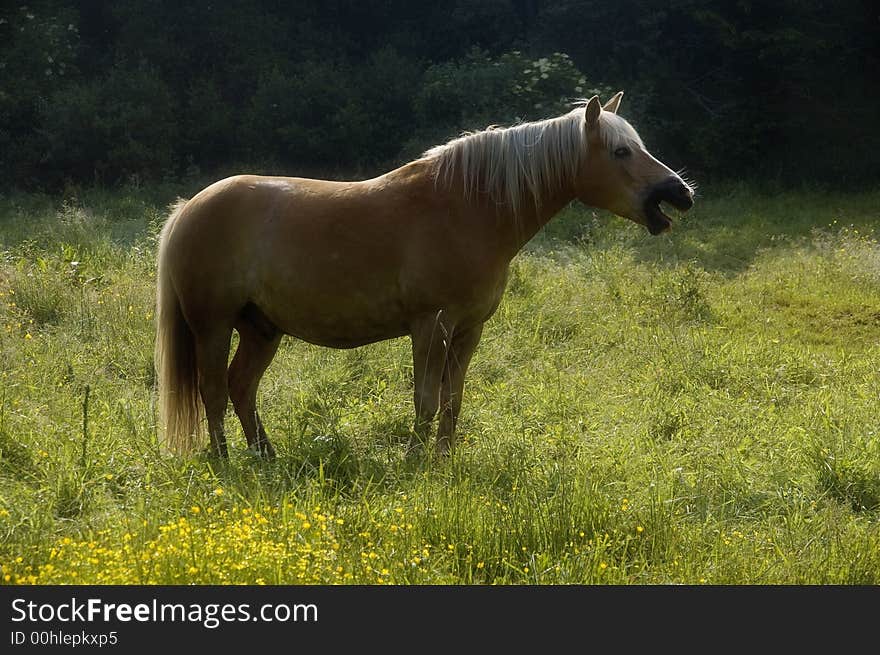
(468,296)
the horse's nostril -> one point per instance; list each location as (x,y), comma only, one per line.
(685,194)
(677,193)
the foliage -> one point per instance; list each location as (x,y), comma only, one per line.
(778,88)
(511,87)
(318,114)
(111,92)
(117,128)
(480,90)
(39,53)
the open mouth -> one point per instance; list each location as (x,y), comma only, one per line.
(655,220)
(676,195)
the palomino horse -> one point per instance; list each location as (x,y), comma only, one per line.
(423,251)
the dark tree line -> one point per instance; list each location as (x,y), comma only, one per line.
(111,92)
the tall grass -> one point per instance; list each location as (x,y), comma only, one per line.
(696,408)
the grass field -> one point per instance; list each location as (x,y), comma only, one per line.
(702,407)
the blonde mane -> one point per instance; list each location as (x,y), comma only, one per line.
(511,164)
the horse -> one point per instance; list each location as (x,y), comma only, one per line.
(423,250)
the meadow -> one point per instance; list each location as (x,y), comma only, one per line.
(698,408)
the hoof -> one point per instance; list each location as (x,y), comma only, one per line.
(263,451)
(443,449)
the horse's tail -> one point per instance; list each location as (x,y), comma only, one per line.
(176,372)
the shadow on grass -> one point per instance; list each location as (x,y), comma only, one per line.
(724,232)
(334,463)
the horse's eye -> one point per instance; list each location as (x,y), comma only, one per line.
(622,152)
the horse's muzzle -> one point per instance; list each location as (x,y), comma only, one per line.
(672,191)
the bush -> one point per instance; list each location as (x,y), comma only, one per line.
(38,53)
(290,113)
(209,122)
(480,90)
(378,111)
(332,117)
(120,128)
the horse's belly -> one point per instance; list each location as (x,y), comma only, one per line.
(347,341)
(348,327)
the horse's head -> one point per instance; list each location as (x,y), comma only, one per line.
(620,175)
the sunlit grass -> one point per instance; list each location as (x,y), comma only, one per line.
(696,408)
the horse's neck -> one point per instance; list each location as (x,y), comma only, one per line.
(521,227)
(512,230)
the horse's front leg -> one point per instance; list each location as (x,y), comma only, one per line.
(430,345)
(457,360)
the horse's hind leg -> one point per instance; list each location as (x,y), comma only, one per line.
(258,342)
(212,353)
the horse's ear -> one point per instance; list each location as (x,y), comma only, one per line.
(614,103)
(591,113)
